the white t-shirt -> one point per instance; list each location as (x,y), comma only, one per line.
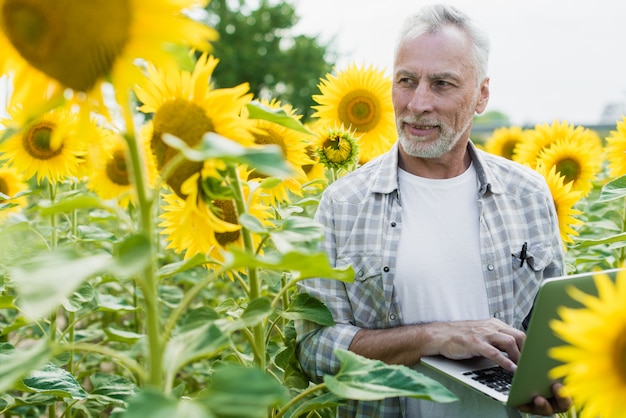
(439,274)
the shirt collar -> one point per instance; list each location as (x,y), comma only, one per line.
(386,178)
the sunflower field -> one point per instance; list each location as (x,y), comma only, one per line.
(153,227)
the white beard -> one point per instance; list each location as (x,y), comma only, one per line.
(448,138)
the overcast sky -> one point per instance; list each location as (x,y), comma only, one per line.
(550,59)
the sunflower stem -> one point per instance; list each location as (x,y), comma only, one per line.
(148,283)
(254,289)
(54,237)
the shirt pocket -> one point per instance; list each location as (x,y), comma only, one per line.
(366,293)
(535,257)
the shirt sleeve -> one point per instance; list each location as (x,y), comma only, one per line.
(316,344)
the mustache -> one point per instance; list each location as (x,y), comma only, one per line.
(420,121)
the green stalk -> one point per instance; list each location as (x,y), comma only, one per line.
(298,398)
(54,238)
(188,297)
(148,283)
(119,358)
(254,289)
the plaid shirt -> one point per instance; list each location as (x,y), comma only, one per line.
(361,213)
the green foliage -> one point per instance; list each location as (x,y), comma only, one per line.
(258,46)
(108,323)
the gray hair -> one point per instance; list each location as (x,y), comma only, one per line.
(432,18)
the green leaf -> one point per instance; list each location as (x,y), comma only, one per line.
(123,336)
(257,310)
(7,302)
(258,111)
(15,364)
(184,265)
(46,282)
(252,223)
(615,189)
(325,400)
(80,297)
(305,306)
(132,256)
(54,381)
(202,342)
(369,380)
(70,204)
(152,404)
(295,231)
(303,265)
(110,303)
(198,317)
(112,386)
(93,233)
(238,391)
(267,159)
(584,243)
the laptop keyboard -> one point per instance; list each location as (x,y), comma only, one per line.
(495,377)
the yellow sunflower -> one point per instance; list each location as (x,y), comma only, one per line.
(82,44)
(48,147)
(359,98)
(11,184)
(541,137)
(564,200)
(503,141)
(198,225)
(110,177)
(594,366)
(293,145)
(337,149)
(616,149)
(184,105)
(577,158)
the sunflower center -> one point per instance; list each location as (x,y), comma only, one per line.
(569,168)
(619,355)
(186,121)
(359,110)
(508,149)
(36,141)
(337,148)
(117,170)
(4,188)
(271,137)
(228,213)
(74,42)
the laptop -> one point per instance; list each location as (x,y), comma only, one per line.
(531,377)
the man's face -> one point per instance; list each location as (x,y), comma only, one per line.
(435,92)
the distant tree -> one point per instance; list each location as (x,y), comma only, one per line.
(491,119)
(257,45)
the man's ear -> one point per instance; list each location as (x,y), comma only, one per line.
(483,98)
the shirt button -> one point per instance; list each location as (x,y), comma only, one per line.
(361,273)
(386,269)
(393,224)
(392,317)
(490,267)
(497,314)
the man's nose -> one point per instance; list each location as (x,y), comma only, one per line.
(421,100)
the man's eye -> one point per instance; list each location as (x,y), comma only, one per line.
(442,83)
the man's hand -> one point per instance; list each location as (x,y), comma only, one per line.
(560,402)
(489,338)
